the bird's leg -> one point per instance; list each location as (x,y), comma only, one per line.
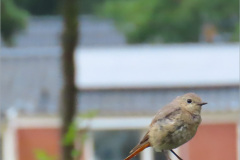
(176,155)
(166,155)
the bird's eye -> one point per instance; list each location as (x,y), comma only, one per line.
(189,101)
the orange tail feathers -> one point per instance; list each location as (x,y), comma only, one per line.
(141,148)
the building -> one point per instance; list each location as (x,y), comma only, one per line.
(126,85)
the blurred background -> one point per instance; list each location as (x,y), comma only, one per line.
(132,58)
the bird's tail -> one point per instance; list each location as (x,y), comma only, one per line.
(138,150)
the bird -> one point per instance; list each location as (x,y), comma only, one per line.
(174,124)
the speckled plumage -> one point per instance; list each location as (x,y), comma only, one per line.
(173,125)
(169,133)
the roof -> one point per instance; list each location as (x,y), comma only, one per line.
(31,79)
(158,66)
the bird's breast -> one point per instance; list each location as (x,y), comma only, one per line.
(164,139)
(181,135)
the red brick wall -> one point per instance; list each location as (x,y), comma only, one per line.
(212,142)
(30,140)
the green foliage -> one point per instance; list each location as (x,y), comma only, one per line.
(39,7)
(169,20)
(75,153)
(69,137)
(72,131)
(13,20)
(235,37)
(73,135)
(43,155)
(51,7)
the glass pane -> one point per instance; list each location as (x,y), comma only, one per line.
(115,145)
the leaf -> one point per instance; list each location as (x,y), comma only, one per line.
(70,135)
(43,155)
(75,153)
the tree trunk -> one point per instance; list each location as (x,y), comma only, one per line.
(69,91)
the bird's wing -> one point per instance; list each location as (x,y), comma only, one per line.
(170,111)
(165,123)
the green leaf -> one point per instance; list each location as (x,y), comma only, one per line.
(75,153)
(43,155)
(70,135)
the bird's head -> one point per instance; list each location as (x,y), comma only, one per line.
(192,103)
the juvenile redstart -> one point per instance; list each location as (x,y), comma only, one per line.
(173,125)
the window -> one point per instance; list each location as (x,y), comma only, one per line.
(115,145)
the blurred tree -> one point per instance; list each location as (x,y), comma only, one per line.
(170,20)
(13,20)
(236,34)
(51,7)
(68,100)
(39,7)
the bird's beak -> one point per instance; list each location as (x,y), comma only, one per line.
(203,103)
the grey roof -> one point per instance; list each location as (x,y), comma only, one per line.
(31,82)
(45,31)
